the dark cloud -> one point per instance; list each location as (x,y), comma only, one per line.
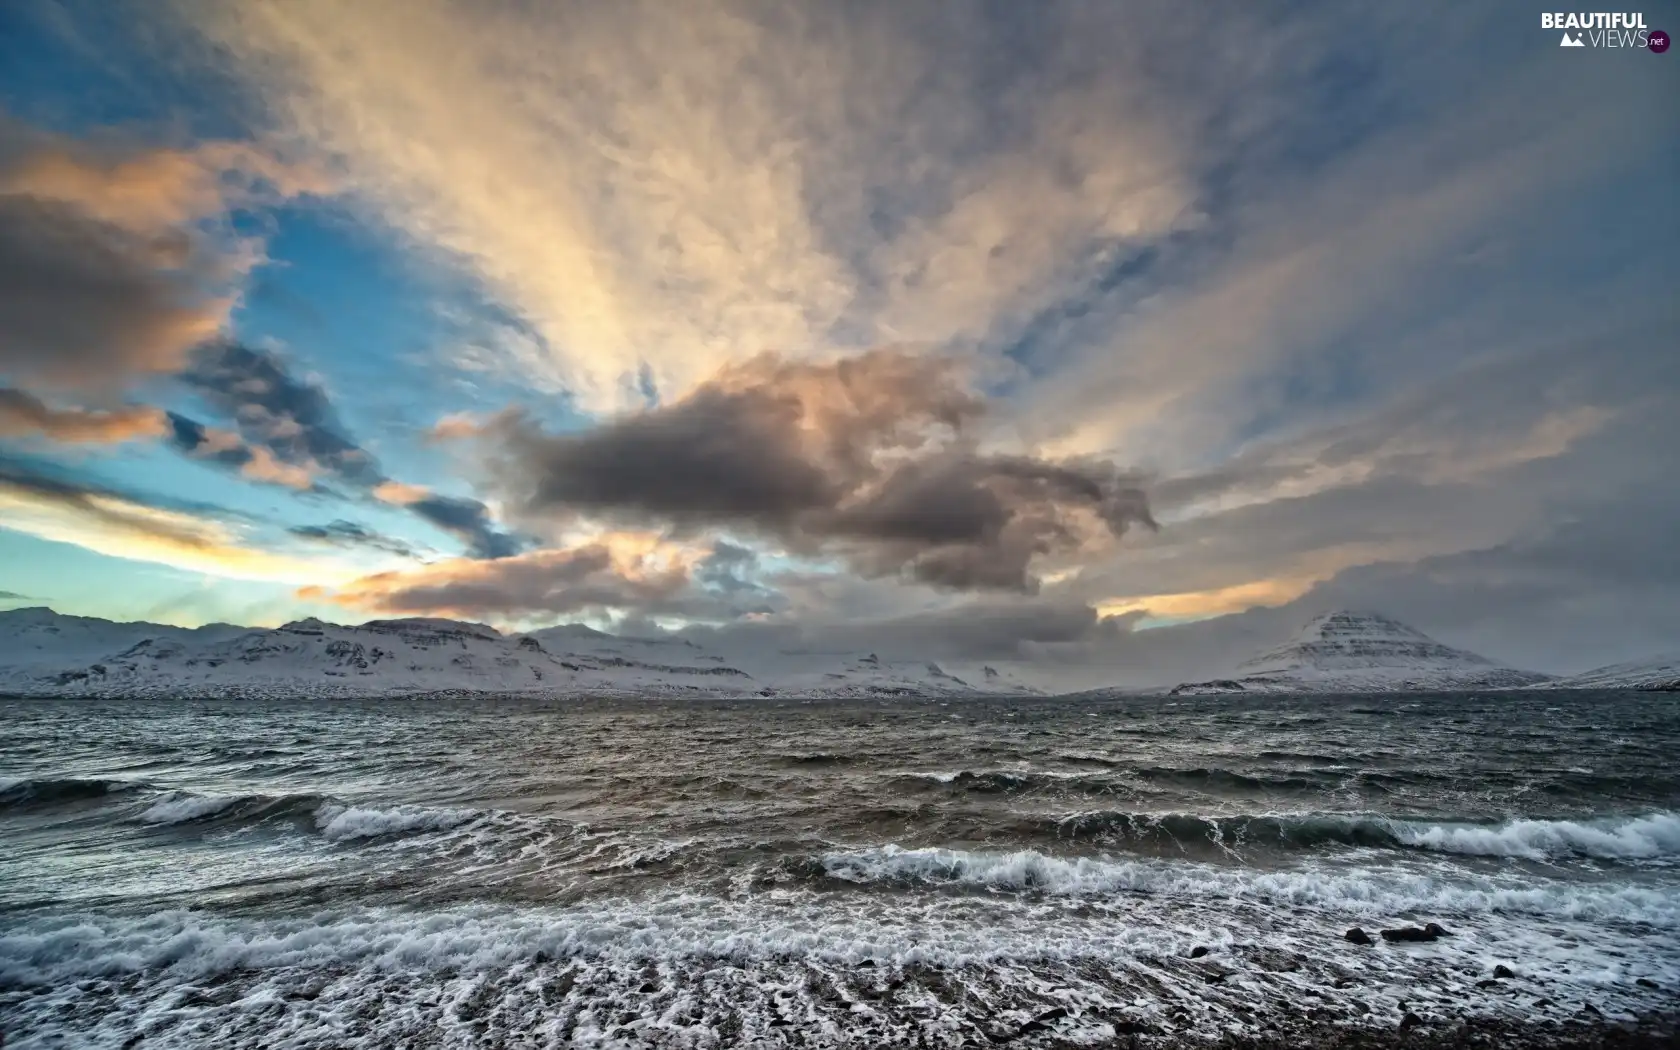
(13,596)
(868,457)
(469,521)
(23,413)
(85,304)
(293,421)
(341,533)
(291,417)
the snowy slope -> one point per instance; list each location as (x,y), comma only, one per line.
(1358,652)
(42,652)
(1661,675)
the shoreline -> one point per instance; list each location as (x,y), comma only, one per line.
(1648,1031)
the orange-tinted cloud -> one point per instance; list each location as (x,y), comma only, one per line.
(116,261)
(611,572)
(122,526)
(22,413)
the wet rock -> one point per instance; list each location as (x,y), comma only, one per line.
(1589,1008)
(1198,951)
(1542,1002)
(128,1044)
(1409,934)
(648,988)
(1357,936)
(1129,1027)
(1410,1021)
(867,964)
(1435,929)
(1216,978)
(1041,1022)
(1646,982)
(1502,971)
(1487,982)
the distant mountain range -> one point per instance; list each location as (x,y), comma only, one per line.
(47,653)
(44,652)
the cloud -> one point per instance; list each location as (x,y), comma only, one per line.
(110,262)
(292,418)
(84,304)
(881,173)
(124,526)
(612,573)
(469,521)
(867,456)
(225,449)
(23,413)
(13,596)
(293,436)
(341,533)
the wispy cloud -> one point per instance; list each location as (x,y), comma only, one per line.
(788,177)
(120,525)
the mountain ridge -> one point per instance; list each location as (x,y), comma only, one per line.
(49,653)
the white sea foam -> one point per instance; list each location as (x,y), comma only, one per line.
(182,807)
(340,823)
(1638,838)
(404,977)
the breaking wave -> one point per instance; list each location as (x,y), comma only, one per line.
(1643,838)
(1383,893)
(340,823)
(1650,837)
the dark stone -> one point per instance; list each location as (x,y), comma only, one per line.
(1216,978)
(1487,983)
(867,964)
(1542,1002)
(1503,971)
(1357,936)
(1646,982)
(648,988)
(1041,1022)
(1589,1008)
(1198,951)
(1411,1020)
(1408,934)
(1435,929)
(130,1043)
(1131,1028)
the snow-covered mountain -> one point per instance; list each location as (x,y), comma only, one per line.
(1660,675)
(1357,652)
(43,652)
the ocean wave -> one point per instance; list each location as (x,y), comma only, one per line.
(1648,837)
(184,808)
(1639,838)
(341,823)
(1383,892)
(1231,833)
(51,791)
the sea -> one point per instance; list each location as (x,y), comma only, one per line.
(672,872)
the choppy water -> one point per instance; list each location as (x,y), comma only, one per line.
(525,873)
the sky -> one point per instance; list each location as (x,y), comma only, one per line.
(1097,337)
